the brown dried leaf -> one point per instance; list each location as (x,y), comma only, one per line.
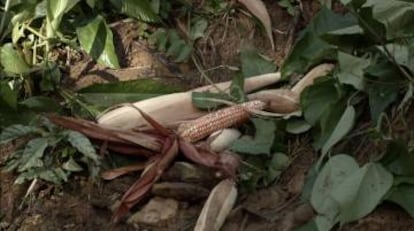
(225,162)
(258,9)
(96,132)
(114,173)
(144,184)
(161,129)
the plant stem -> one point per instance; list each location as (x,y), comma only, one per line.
(3,19)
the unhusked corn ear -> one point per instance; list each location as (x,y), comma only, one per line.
(200,128)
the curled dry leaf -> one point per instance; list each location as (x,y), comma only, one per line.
(258,9)
(118,140)
(144,184)
(278,100)
(307,80)
(172,109)
(217,207)
(117,172)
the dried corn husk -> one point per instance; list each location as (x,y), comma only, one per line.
(172,109)
(221,140)
(278,100)
(217,207)
(313,74)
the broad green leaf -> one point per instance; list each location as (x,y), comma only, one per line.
(184,54)
(97,40)
(397,16)
(278,164)
(263,139)
(41,104)
(351,70)
(83,145)
(198,28)
(15,131)
(8,97)
(33,153)
(310,49)
(348,38)
(403,195)
(362,191)
(237,89)
(207,100)
(317,98)
(297,126)
(341,129)
(252,63)
(402,53)
(380,97)
(9,116)
(12,61)
(398,159)
(141,86)
(141,9)
(110,99)
(333,173)
(51,76)
(72,166)
(55,11)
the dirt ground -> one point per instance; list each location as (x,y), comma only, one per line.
(82,205)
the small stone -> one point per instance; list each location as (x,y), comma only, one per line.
(158,213)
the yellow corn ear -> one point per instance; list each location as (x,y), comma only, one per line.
(202,127)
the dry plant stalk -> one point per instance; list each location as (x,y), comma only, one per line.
(202,127)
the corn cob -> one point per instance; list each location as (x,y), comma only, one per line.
(200,128)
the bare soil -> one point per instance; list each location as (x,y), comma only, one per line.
(83,205)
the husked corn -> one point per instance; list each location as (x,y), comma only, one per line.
(200,128)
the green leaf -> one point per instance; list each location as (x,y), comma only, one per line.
(198,28)
(349,38)
(380,97)
(362,191)
(402,53)
(33,153)
(397,16)
(15,131)
(83,145)
(141,9)
(12,61)
(55,12)
(351,70)
(343,126)
(97,40)
(310,49)
(403,195)
(109,94)
(41,104)
(317,98)
(333,173)
(72,166)
(398,160)
(8,97)
(208,100)
(277,165)
(252,63)
(141,86)
(297,126)
(51,76)
(263,139)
